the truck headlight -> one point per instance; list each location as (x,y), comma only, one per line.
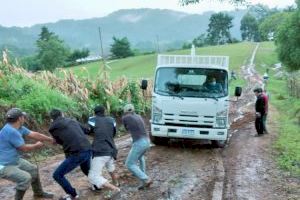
(221,119)
(221,122)
(156,114)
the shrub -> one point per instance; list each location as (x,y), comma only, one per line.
(42,100)
(35,98)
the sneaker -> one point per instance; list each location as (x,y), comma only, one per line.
(146,184)
(69,197)
(95,188)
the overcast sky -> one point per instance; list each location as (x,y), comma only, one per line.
(29,12)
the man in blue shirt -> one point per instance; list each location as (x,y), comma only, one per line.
(14,168)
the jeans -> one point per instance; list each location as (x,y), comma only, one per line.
(135,156)
(95,173)
(23,173)
(81,159)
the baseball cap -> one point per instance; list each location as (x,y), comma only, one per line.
(128,108)
(15,113)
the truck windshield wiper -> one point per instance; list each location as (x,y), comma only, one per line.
(176,95)
(215,98)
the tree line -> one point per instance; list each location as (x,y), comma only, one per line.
(53,53)
(259,24)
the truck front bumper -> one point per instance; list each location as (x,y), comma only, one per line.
(188,132)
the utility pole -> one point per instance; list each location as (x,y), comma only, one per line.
(157,44)
(104,70)
(101,44)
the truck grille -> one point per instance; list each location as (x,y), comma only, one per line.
(190,125)
(188,120)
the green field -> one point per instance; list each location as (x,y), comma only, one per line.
(144,66)
(288,143)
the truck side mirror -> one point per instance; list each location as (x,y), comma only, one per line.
(238,91)
(144,84)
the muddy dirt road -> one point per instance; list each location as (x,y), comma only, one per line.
(244,169)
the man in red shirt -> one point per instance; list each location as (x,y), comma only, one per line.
(264,118)
(259,111)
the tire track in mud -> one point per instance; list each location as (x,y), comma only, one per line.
(181,173)
(240,117)
(250,172)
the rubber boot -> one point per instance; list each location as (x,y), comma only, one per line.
(19,194)
(38,190)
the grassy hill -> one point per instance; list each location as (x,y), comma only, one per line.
(144,66)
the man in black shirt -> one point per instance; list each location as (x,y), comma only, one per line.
(259,111)
(71,135)
(104,151)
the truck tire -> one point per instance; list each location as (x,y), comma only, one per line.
(218,143)
(159,140)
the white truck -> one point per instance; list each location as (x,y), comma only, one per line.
(190,98)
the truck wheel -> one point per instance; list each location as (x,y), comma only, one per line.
(218,143)
(159,140)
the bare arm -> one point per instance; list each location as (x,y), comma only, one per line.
(40,137)
(30,147)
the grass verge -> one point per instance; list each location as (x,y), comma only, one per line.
(288,143)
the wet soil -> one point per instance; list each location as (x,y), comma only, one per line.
(244,169)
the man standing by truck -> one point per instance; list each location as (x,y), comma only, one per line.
(71,135)
(14,168)
(259,111)
(266,101)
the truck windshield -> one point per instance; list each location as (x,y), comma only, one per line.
(191,82)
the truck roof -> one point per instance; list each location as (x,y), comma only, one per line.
(214,62)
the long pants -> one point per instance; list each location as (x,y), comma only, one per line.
(95,173)
(259,125)
(81,159)
(135,161)
(264,119)
(23,174)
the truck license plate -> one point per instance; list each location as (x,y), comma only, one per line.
(188,132)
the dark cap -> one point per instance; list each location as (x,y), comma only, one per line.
(258,90)
(15,113)
(55,113)
(99,109)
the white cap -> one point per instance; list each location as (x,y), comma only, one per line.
(128,108)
